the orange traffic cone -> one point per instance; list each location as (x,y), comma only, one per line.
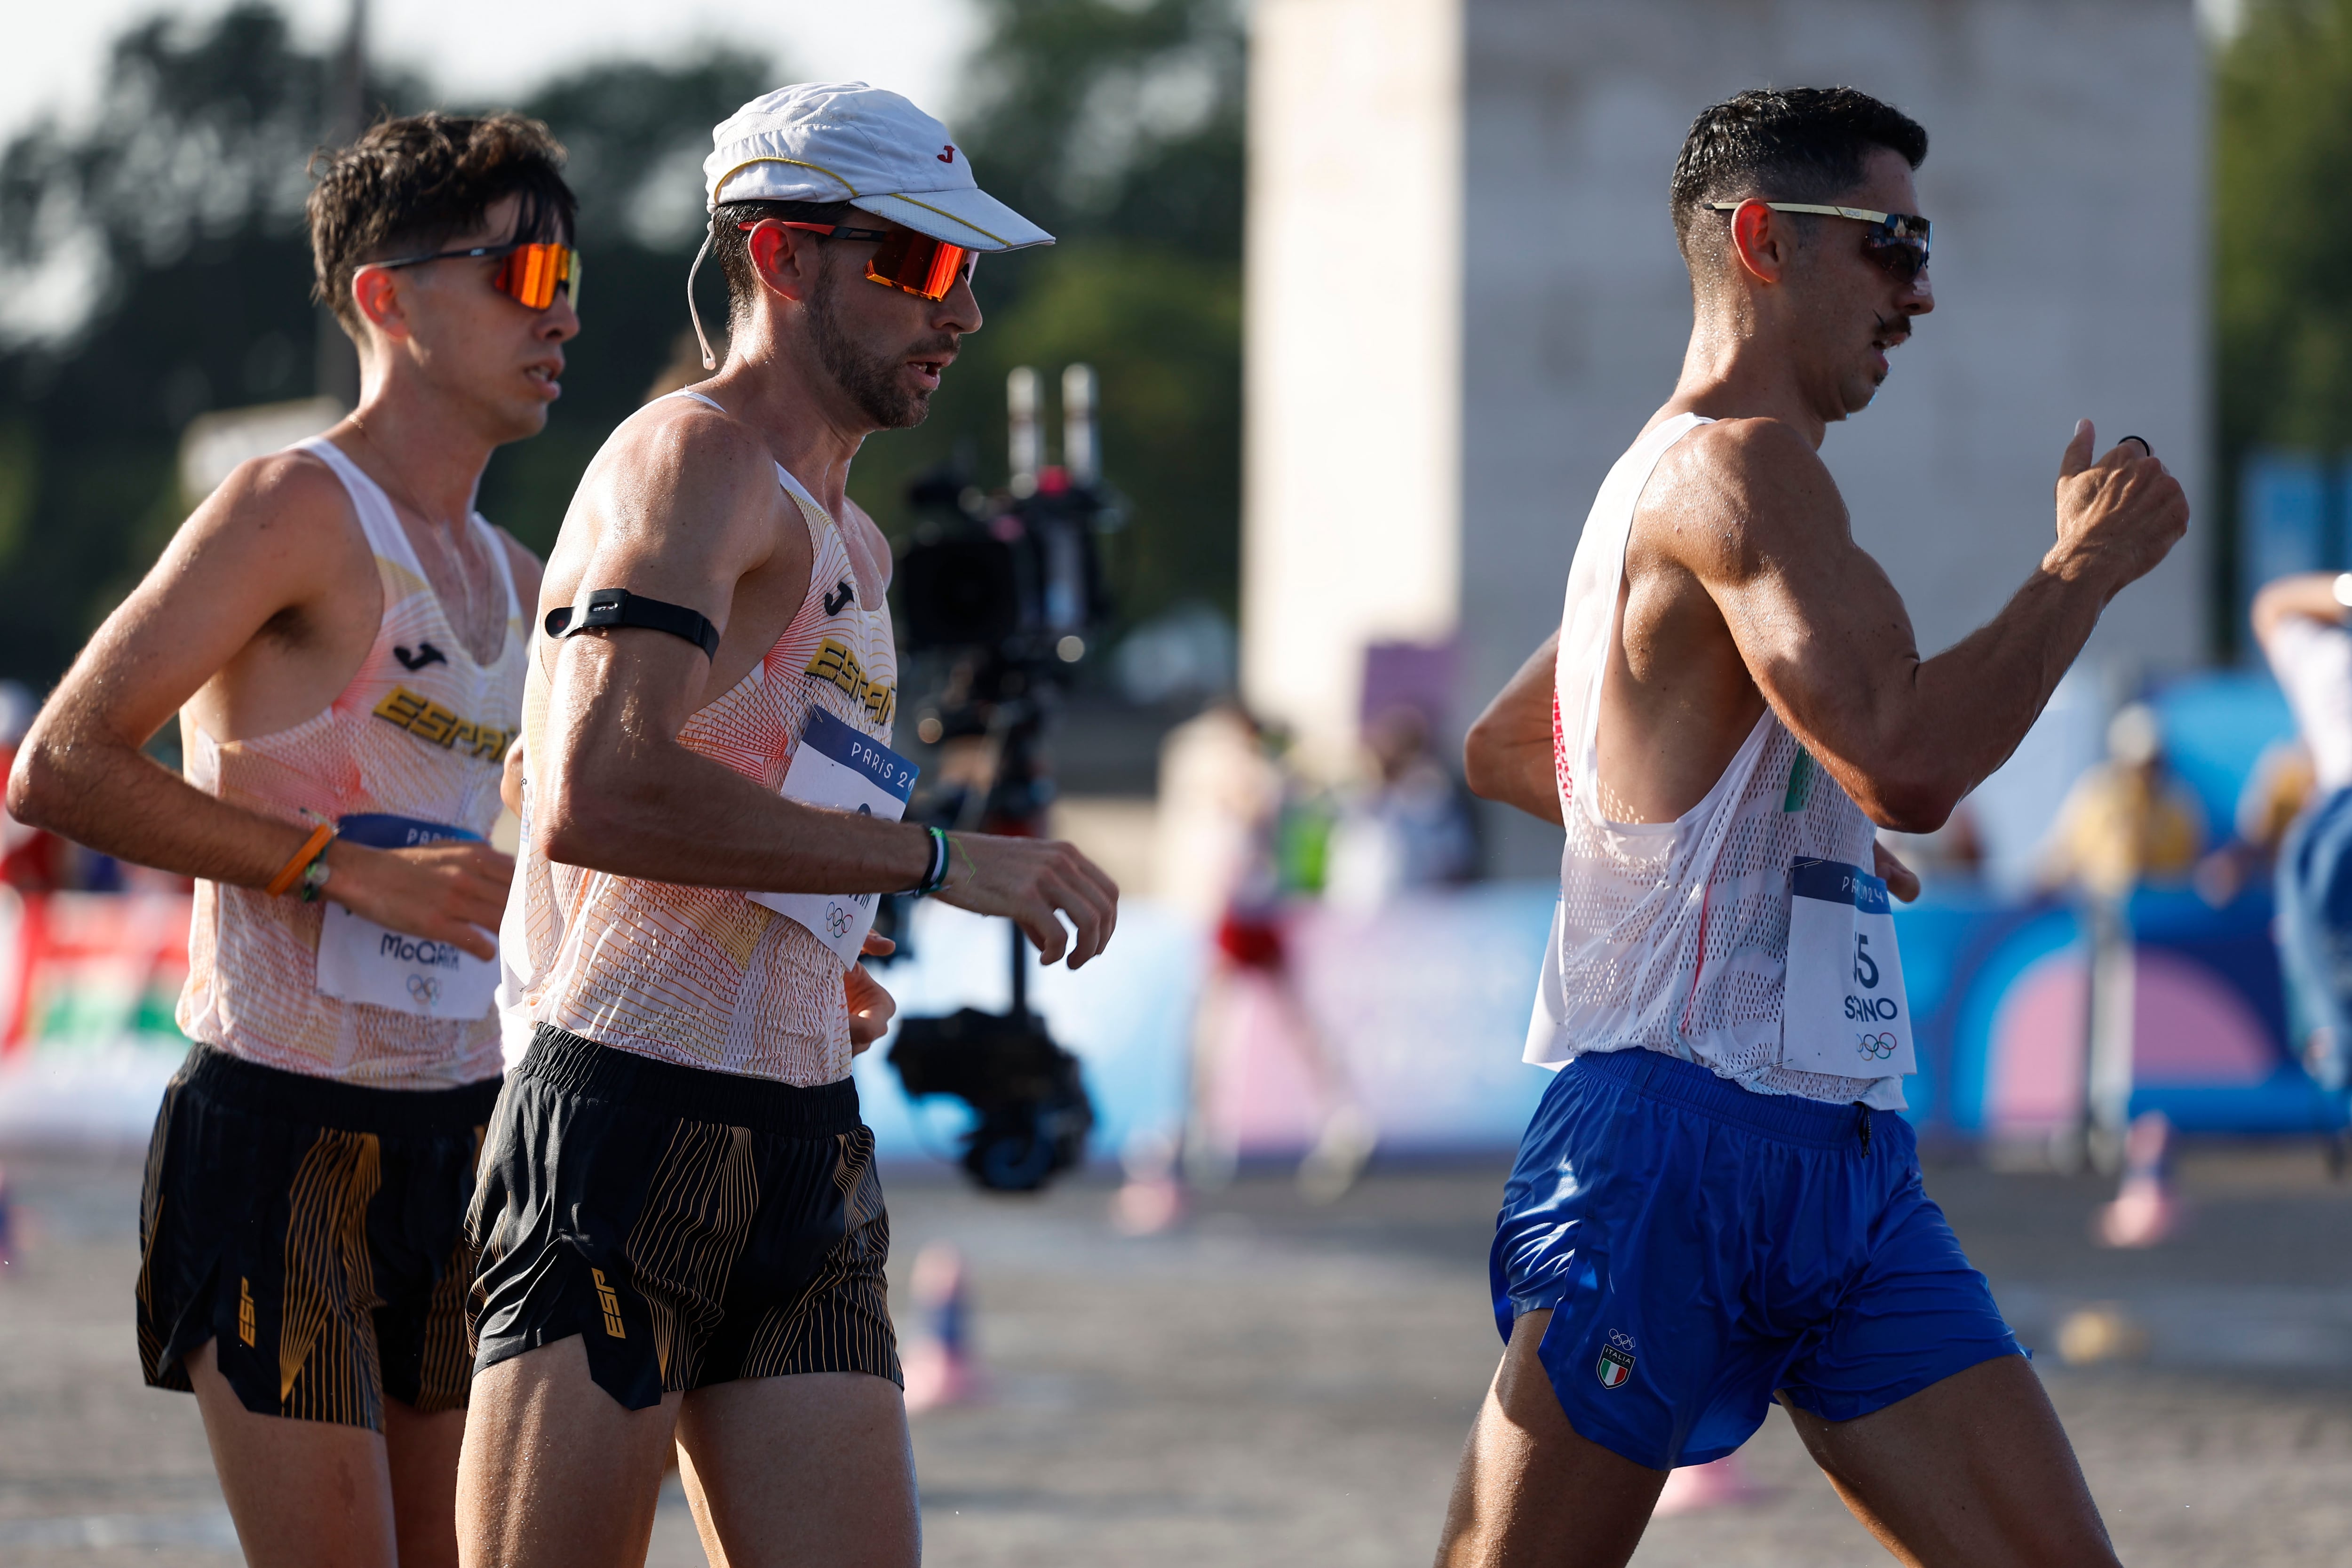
(1151,1199)
(2147,1210)
(1719,1483)
(938,1361)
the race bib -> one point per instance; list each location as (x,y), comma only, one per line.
(846,770)
(360,961)
(1843,1010)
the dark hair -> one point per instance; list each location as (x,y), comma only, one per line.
(732,247)
(1785,144)
(412,184)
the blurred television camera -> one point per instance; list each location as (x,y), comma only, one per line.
(1000,593)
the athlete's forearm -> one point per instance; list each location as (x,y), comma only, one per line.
(80,780)
(669,814)
(1507,754)
(1966,708)
(2307,595)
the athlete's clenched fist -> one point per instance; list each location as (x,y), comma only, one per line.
(2120,515)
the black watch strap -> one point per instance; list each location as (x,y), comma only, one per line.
(619,607)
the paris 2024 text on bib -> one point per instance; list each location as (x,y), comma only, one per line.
(846,770)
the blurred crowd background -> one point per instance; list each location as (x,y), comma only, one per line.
(1447,222)
(1372,292)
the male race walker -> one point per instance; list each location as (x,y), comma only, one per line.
(344,639)
(682,1233)
(1712,1206)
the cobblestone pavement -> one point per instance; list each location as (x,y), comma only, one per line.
(1272,1384)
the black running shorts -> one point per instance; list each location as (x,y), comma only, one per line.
(692,1228)
(314,1230)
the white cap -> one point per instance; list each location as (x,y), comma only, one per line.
(847,142)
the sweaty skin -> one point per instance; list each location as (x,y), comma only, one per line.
(683,505)
(258,614)
(1743,588)
(266,601)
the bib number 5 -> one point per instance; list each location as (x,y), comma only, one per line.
(1843,1010)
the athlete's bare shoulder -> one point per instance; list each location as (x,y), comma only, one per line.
(284,519)
(1734,494)
(680,473)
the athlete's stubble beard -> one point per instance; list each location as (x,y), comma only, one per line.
(871,379)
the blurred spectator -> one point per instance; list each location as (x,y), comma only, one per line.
(1224,796)
(31,861)
(2126,821)
(1408,827)
(2276,792)
(2299,621)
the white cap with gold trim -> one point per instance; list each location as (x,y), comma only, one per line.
(847,142)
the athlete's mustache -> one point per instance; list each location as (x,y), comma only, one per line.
(1891,333)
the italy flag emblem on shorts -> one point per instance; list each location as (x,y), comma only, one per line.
(1616,1363)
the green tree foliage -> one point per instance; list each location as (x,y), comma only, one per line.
(180,214)
(177,215)
(1118,125)
(2282,118)
(2282,234)
(636,134)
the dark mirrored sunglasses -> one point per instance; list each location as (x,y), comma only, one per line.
(1897,241)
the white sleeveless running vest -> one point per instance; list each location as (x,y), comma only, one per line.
(1673,936)
(420,732)
(703,976)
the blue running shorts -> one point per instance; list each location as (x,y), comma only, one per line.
(1702,1246)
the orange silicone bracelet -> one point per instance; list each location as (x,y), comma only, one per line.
(303,859)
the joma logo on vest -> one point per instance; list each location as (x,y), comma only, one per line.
(428,720)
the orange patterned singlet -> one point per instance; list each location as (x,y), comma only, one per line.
(420,732)
(703,976)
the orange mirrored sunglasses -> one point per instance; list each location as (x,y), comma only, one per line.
(528,273)
(923,267)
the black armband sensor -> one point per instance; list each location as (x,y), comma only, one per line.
(619,607)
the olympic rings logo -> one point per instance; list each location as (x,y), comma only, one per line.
(1875,1047)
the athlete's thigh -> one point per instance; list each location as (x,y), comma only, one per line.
(303,1494)
(1971,1472)
(555,1471)
(1531,1494)
(421,1452)
(812,1467)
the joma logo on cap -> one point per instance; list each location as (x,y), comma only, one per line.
(947,153)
